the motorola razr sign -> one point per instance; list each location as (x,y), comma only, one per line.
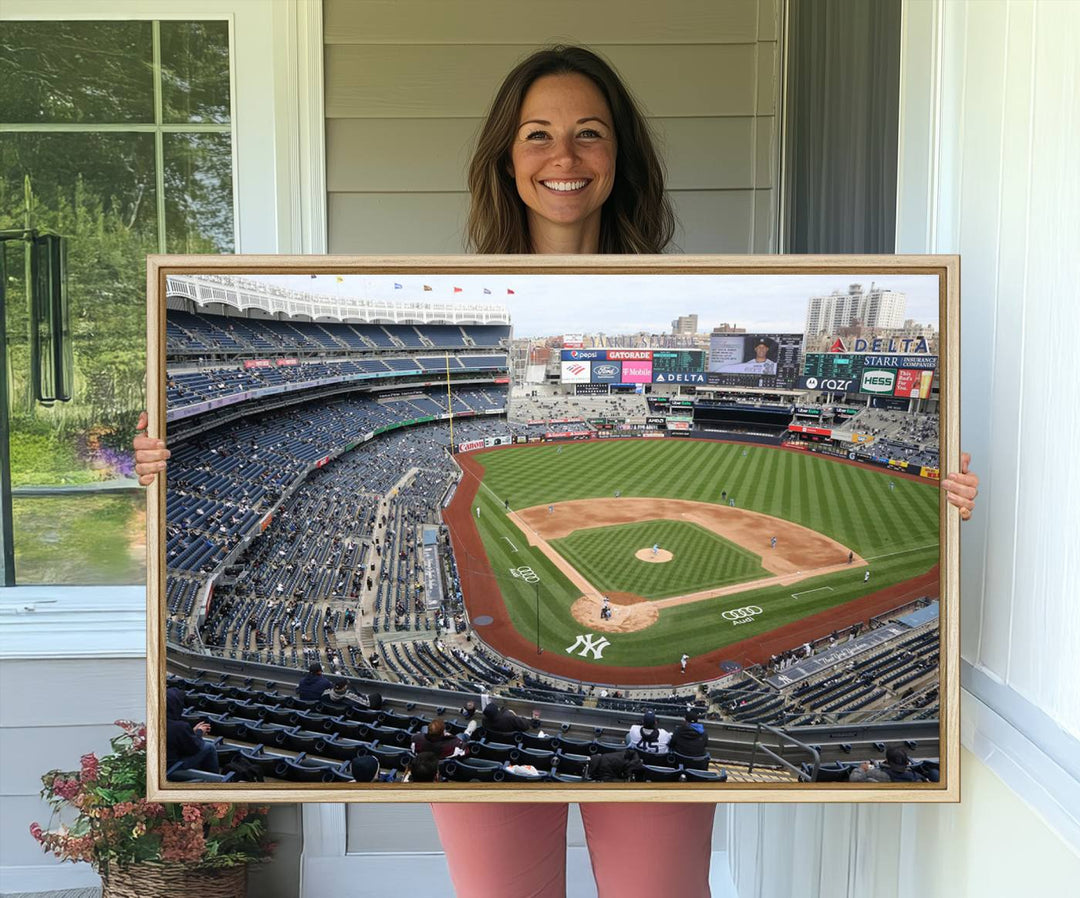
(878,380)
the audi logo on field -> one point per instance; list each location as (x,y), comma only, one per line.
(741,615)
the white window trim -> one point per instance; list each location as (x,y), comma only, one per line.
(277,101)
(1032,754)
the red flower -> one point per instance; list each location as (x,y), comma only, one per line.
(89,767)
(36,832)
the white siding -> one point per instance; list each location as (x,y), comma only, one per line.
(408,83)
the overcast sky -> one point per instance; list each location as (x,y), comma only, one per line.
(547,304)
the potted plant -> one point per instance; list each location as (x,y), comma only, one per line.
(144,848)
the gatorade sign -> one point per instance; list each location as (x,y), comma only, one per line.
(880,380)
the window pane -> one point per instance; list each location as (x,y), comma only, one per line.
(98,191)
(198,193)
(195,72)
(76,72)
(81,539)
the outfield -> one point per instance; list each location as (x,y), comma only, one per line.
(894,529)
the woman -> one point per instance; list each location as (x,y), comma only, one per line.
(565,164)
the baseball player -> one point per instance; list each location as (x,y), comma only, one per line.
(655,549)
(772,543)
(683,661)
(866,577)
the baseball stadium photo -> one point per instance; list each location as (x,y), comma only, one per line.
(507,529)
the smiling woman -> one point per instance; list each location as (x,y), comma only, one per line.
(563,117)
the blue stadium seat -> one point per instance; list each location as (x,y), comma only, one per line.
(470,770)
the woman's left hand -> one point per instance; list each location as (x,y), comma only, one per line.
(962,487)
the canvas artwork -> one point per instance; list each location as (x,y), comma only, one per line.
(506,529)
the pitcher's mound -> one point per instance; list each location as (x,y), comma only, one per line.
(647,555)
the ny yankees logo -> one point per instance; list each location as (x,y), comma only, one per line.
(588,645)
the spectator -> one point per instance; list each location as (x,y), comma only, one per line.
(614,765)
(314,684)
(436,740)
(364,768)
(500,719)
(340,694)
(647,736)
(184,744)
(895,769)
(690,738)
(424,768)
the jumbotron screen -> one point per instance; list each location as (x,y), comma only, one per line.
(755,360)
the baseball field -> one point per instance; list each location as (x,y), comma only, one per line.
(676,538)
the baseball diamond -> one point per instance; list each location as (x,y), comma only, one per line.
(585,520)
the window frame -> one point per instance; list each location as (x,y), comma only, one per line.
(279,196)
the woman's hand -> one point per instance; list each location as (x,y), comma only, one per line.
(150,454)
(962,488)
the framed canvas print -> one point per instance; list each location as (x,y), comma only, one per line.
(553,528)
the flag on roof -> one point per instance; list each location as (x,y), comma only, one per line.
(426,287)
(509,291)
(457,289)
(339,279)
(488,292)
(397,286)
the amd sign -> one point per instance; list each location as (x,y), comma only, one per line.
(880,381)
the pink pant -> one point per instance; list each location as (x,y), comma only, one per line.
(519,850)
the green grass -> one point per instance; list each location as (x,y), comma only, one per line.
(896,530)
(702,560)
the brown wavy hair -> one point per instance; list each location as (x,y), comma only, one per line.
(636,218)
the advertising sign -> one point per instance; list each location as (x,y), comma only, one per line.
(880,380)
(637,372)
(575,372)
(607,372)
(827,384)
(678,377)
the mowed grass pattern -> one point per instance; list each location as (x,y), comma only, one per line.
(701,560)
(895,529)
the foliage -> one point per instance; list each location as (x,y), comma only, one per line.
(116,825)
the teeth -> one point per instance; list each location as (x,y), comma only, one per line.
(565,185)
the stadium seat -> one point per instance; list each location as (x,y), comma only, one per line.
(264,761)
(301,770)
(470,770)
(542,760)
(697,762)
(509,776)
(606,747)
(391,757)
(575,765)
(491,751)
(176,775)
(304,741)
(575,746)
(531,740)
(650,774)
(342,749)
(704,776)
(830,773)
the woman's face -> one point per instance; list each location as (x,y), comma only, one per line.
(563,156)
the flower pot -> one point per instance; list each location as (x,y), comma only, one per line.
(174,881)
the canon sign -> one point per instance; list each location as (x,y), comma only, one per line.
(882,381)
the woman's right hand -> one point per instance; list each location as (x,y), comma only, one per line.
(150,454)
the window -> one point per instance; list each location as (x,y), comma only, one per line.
(117,135)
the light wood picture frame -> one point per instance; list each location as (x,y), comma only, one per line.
(704,486)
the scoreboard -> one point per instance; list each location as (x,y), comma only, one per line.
(871,374)
(670,362)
